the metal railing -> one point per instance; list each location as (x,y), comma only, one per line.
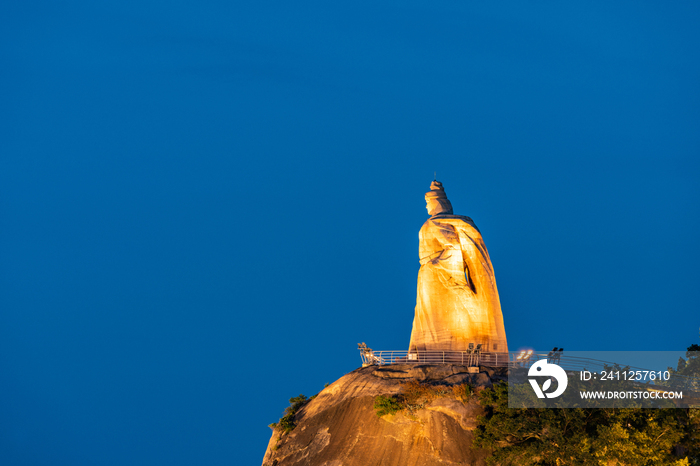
(466,358)
(512,360)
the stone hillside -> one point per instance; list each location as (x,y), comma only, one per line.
(339,427)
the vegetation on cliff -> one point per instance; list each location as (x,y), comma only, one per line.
(415,395)
(286,422)
(553,437)
(689,366)
(595,437)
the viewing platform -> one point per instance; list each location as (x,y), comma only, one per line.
(474,358)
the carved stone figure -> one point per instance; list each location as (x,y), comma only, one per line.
(457,300)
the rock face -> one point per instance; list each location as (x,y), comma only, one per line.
(339,427)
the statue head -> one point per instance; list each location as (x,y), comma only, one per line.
(436,200)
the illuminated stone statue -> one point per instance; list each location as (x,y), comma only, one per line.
(457,301)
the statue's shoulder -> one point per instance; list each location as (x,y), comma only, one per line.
(456,221)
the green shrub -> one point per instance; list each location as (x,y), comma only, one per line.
(297,401)
(286,423)
(386,405)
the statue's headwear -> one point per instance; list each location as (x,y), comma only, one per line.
(437,192)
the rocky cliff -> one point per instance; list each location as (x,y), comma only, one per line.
(340,427)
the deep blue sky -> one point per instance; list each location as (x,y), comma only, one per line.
(204,206)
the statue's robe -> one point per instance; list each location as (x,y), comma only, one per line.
(457,301)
